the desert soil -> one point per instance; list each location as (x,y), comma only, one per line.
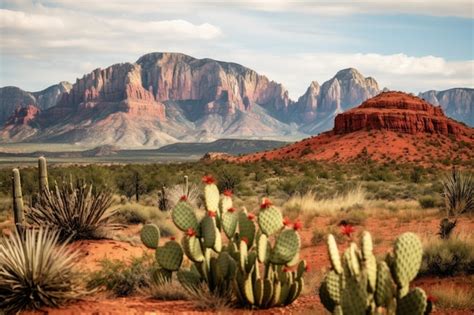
(384,231)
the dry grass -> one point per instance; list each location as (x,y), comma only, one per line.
(308,205)
(171,291)
(205,300)
(135,213)
(452,297)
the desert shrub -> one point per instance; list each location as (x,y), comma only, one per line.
(458,192)
(75,211)
(36,271)
(416,174)
(135,213)
(228,179)
(427,202)
(121,278)
(448,257)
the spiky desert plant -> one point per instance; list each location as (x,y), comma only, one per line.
(75,211)
(259,266)
(458,193)
(175,194)
(36,271)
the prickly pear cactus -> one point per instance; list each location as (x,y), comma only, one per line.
(150,235)
(357,284)
(252,265)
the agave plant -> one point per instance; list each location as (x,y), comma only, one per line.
(458,192)
(36,271)
(75,211)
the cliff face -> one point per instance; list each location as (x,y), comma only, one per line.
(399,112)
(223,87)
(170,97)
(13,98)
(457,103)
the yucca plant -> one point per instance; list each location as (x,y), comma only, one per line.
(36,271)
(458,192)
(75,211)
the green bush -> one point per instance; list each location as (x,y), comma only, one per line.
(123,279)
(448,257)
(427,202)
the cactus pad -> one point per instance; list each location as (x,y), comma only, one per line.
(192,248)
(414,303)
(325,298)
(150,235)
(226,203)
(367,246)
(407,258)
(211,196)
(286,247)
(170,256)
(208,228)
(262,248)
(354,298)
(384,286)
(270,220)
(184,217)
(229,223)
(333,285)
(246,228)
(334,254)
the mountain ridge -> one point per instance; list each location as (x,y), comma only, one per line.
(172,97)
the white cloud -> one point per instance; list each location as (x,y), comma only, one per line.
(459,8)
(31,22)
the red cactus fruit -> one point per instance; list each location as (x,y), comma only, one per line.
(251,216)
(208,179)
(183,198)
(245,240)
(298,225)
(347,230)
(191,232)
(228,193)
(212,214)
(286,221)
(231,210)
(266,203)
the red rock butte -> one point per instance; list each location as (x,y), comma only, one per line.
(390,127)
(397,111)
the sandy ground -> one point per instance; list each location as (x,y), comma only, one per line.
(382,229)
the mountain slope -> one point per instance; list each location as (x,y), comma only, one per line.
(171,97)
(457,103)
(392,126)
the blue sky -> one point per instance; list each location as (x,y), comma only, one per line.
(412,45)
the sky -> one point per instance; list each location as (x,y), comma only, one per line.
(409,45)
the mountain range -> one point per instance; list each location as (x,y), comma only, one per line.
(165,98)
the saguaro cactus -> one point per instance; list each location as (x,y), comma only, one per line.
(42,174)
(17,200)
